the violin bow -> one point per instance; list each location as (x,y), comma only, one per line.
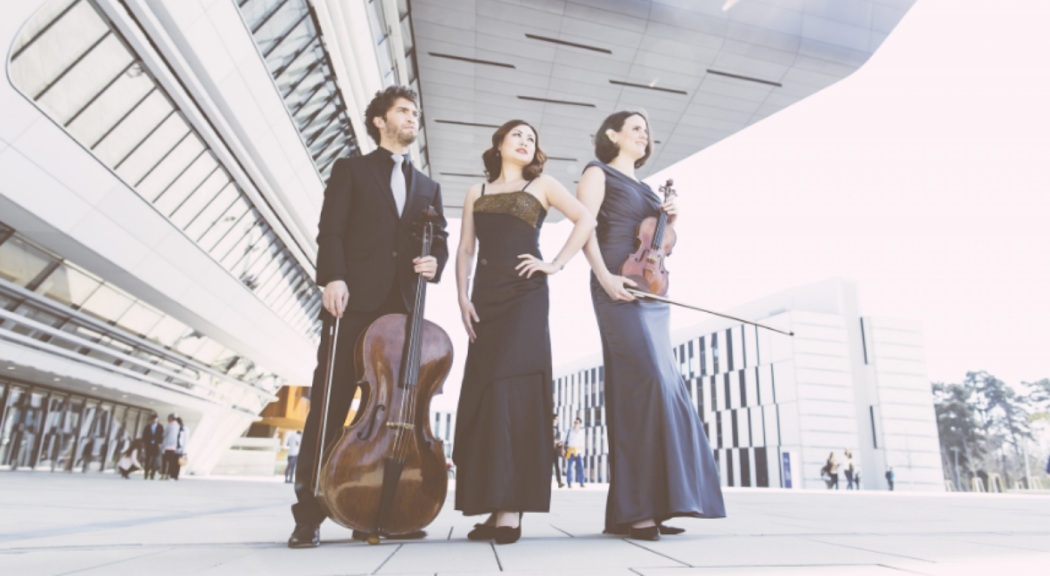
(648,296)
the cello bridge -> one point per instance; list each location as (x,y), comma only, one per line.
(402,425)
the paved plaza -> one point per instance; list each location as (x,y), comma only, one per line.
(52,524)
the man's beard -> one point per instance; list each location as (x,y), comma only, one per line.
(399,136)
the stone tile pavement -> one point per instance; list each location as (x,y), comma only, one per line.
(57,524)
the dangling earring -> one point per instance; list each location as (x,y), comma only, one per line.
(497,153)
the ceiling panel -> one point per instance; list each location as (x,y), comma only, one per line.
(679,45)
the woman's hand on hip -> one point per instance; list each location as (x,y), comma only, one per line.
(466,308)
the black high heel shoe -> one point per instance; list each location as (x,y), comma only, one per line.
(484,531)
(508,535)
(651,533)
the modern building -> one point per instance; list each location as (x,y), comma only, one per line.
(774,407)
(162,166)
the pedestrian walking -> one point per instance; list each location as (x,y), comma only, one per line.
(832,467)
(294,439)
(176,436)
(889,477)
(575,442)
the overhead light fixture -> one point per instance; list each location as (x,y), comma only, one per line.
(549,101)
(748,78)
(10,367)
(123,395)
(94,387)
(729,4)
(472,60)
(474,124)
(651,86)
(564,43)
(56,379)
(462,175)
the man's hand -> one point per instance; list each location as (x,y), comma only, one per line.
(427,266)
(335,297)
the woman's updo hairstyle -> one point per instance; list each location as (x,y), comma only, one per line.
(493,162)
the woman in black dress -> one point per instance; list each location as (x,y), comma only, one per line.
(503,441)
(660,463)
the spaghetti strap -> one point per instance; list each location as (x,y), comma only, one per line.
(482,188)
(527,184)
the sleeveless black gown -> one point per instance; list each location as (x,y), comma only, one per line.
(661,465)
(504,442)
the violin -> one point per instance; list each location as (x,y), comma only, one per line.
(387,473)
(652,246)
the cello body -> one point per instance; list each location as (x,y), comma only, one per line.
(386,475)
(352,478)
(653,245)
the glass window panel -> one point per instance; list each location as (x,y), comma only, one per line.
(209,352)
(262,251)
(266,275)
(21,262)
(213,212)
(107,304)
(186,183)
(299,93)
(286,50)
(140,319)
(46,14)
(204,193)
(271,33)
(170,166)
(271,285)
(86,79)
(255,10)
(167,332)
(112,105)
(306,57)
(117,144)
(153,149)
(190,343)
(68,285)
(232,253)
(57,49)
(234,235)
(224,223)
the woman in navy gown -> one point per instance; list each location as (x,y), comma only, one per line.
(661,465)
(504,442)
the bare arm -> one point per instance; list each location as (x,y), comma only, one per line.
(465,260)
(560,198)
(591,193)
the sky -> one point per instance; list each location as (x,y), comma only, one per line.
(924,177)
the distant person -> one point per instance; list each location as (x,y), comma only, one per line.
(856,478)
(293,442)
(129,461)
(833,472)
(152,438)
(575,442)
(850,472)
(175,437)
(889,477)
(559,453)
(1048,466)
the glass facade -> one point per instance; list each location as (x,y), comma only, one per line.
(44,428)
(60,306)
(735,398)
(290,41)
(77,68)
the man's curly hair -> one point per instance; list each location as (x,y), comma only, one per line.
(382,104)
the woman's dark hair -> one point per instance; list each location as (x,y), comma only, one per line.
(382,104)
(493,163)
(606,150)
(179,420)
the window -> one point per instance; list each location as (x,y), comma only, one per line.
(77,68)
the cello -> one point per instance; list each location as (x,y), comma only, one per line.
(652,246)
(386,475)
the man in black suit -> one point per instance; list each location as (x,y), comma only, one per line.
(152,438)
(367,261)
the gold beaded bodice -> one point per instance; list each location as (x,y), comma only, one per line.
(520,204)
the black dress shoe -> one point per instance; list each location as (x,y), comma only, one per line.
(508,535)
(670,530)
(482,532)
(305,536)
(652,533)
(359,535)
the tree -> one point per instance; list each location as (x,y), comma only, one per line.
(958,426)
